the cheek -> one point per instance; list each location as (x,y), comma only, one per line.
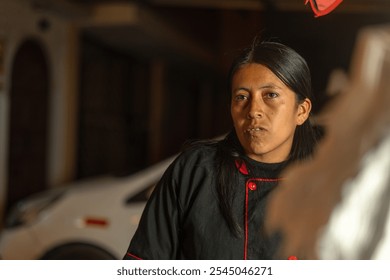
(236,114)
(287,119)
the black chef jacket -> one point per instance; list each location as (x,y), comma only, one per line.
(182,219)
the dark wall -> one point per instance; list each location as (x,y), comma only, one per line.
(326,42)
(113,111)
(115,87)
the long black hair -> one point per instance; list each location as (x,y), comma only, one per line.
(292,69)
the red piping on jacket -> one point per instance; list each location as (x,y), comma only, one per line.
(246,223)
(241,166)
(247,188)
(133,256)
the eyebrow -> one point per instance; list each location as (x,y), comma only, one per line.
(270,85)
(265,86)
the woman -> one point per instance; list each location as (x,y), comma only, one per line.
(210,202)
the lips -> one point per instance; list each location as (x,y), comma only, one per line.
(255,127)
(254,130)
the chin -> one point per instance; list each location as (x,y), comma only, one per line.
(258,153)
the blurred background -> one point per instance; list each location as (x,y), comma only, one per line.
(96,87)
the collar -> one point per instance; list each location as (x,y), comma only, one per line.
(247,166)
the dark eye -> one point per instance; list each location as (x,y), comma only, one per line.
(240,97)
(271,95)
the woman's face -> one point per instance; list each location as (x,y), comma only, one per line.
(265,113)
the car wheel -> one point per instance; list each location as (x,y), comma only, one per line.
(77,252)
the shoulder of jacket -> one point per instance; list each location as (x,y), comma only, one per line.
(198,153)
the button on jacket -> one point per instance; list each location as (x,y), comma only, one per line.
(182,219)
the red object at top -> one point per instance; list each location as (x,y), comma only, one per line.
(323,7)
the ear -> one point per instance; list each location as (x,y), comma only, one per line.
(304,109)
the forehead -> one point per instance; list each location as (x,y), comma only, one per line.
(255,73)
(258,76)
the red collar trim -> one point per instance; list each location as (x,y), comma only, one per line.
(241,166)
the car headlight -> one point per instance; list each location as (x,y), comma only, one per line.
(28,210)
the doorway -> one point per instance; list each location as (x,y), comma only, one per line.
(27,156)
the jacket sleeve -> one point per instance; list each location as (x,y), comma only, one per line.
(158,233)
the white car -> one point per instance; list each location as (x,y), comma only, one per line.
(92,219)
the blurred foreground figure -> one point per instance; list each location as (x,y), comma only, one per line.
(338,205)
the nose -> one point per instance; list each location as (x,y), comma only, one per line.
(255,109)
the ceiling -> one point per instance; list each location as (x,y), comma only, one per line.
(283,5)
(134,25)
(355,6)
